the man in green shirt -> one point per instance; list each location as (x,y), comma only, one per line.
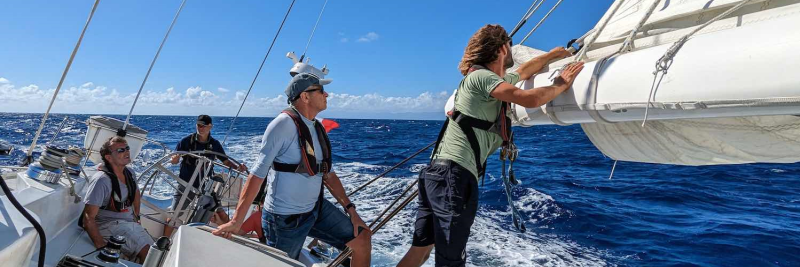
(448,187)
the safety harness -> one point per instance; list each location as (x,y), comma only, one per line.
(115,202)
(308,160)
(500,126)
(193,140)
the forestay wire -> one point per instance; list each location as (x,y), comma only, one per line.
(230,128)
(541,21)
(313,30)
(152,63)
(532,9)
(28,157)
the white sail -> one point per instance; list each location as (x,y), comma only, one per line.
(736,73)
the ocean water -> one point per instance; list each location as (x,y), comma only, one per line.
(647,215)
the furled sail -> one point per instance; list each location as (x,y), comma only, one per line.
(700,116)
(737,140)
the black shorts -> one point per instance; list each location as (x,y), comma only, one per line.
(448,202)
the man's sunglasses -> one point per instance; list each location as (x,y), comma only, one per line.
(202,125)
(123,149)
(321,90)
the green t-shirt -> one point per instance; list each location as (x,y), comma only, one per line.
(474,99)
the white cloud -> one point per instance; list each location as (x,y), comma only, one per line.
(369,37)
(89,98)
(240,95)
(425,102)
(223,90)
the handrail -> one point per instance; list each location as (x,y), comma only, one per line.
(158,166)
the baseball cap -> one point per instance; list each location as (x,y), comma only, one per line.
(204,120)
(300,83)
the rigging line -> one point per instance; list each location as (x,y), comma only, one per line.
(653,90)
(28,158)
(347,251)
(230,128)
(588,45)
(152,63)
(525,17)
(627,45)
(612,170)
(391,169)
(313,30)
(665,62)
(541,21)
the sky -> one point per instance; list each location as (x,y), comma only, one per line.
(387,59)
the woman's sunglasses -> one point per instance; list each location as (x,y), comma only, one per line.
(123,149)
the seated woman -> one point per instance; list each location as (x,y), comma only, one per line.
(105,216)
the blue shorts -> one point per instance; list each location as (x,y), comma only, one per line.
(448,203)
(289,232)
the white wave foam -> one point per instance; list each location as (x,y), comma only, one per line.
(493,241)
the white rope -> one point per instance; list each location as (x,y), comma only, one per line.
(665,62)
(532,9)
(589,44)
(541,21)
(61,81)
(152,63)
(627,45)
(313,30)
(612,170)
(230,128)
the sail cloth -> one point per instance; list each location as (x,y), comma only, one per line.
(671,20)
(737,140)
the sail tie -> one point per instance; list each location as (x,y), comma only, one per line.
(230,128)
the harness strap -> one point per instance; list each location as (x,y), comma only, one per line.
(501,126)
(287,167)
(466,128)
(116,191)
(308,161)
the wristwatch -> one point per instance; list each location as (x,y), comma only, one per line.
(351,205)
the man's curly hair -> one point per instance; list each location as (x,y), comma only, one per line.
(483,46)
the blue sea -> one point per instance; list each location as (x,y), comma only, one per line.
(646,215)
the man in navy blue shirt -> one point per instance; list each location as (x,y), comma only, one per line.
(198,141)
